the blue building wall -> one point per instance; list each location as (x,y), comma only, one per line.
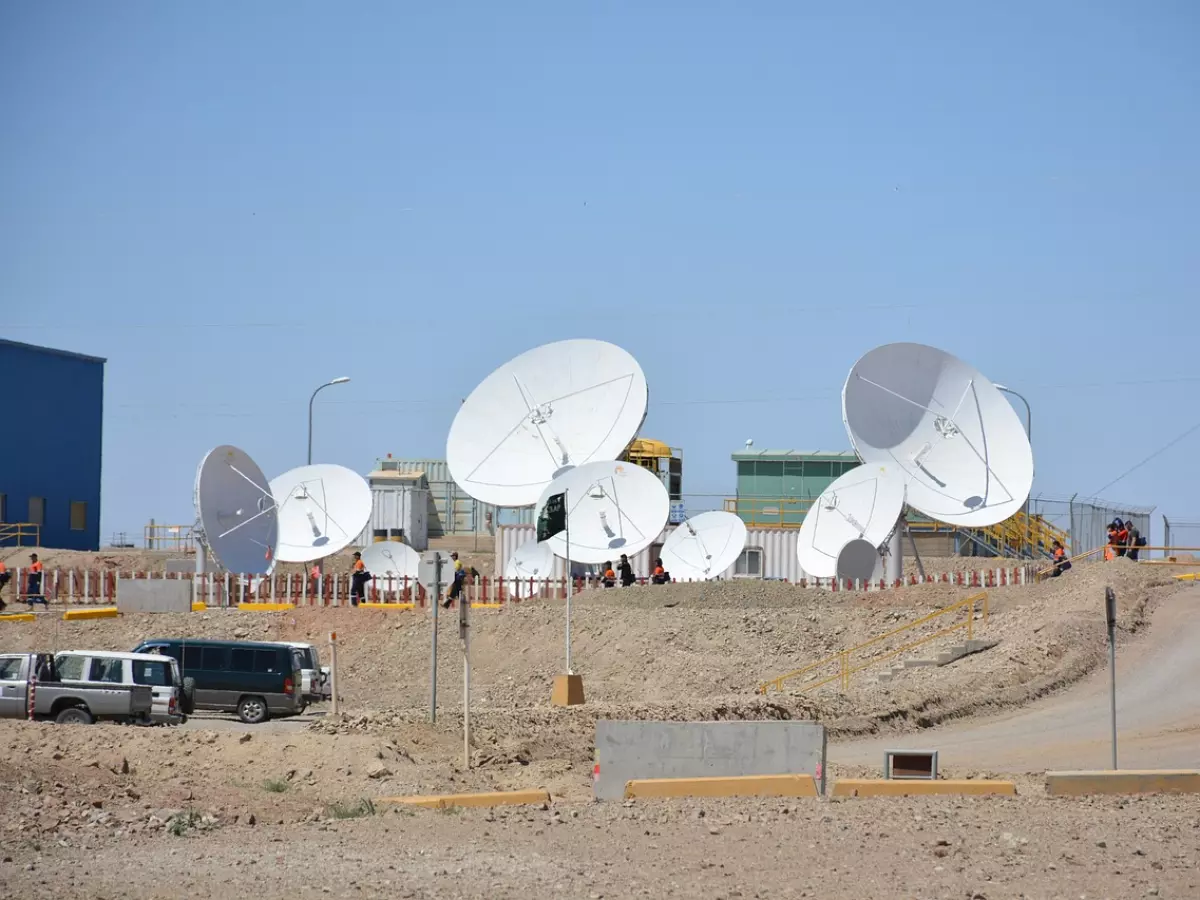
(50,442)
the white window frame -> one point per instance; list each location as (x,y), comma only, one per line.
(745,555)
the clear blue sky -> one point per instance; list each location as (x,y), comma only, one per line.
(236,202)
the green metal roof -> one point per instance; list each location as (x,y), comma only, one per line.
(794,454)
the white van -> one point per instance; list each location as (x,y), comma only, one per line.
(160,672)
(315,679)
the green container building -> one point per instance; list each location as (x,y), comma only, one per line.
(776,487)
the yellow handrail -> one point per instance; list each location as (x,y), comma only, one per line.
(1095,550)
(842,657)
(22,534)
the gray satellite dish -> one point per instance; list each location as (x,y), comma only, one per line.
(237,514)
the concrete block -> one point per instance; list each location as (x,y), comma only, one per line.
(568,690)
(153,595)
(742,786)
(871,787)
(635,751)
(266,607)
(387,606)
(18,617)
(1123,781)
(496,798)
(92,612)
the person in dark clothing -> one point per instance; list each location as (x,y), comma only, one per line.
(1122,536)
(33,586)
(1061,563)
(1133,540)
(358,580)
(626,571)
(456,585)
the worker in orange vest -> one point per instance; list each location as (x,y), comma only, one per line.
(33,585)
(1061,563)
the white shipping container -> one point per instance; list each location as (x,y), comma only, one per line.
(398,503)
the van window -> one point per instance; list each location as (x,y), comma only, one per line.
(70,668)
(241,660)
(191,658)
(266,662)
(213,659)
(156,674)
(106,670)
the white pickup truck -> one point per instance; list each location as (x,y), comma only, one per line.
(65,703)
(172,702)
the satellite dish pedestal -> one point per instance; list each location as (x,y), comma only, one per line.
(201,564)
(568,689)
(894,557)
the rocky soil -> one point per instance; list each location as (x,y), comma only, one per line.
(294,807)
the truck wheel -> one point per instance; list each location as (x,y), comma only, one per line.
(74,715)
(252,710)
(188,700)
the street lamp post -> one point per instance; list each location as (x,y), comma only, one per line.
(342,380)
(1028,530)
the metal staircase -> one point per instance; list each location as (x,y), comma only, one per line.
(1018,537)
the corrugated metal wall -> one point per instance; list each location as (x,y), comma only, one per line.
(52,441)
(778,547)
(399,507)
(452,511)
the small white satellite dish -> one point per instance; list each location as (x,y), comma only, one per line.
(862,504)
(236,511)
(530,560)
(704,546)
(859,560)
(963,450)
(612,508)
(393,559)
(559,405)
(322,508)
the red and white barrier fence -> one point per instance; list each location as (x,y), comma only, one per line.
(99,587)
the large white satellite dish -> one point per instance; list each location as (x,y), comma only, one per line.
(612,508)
(530,560)
(960,444)
(559,405)
(393,559)
(322,508)
(236,511)
(862,504)
(704,546)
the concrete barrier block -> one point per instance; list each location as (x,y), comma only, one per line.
(18,617)
(879,787)
(495,798)
(266,607)
(640,750)
(94,612)
(1123,781)
(740,786)
(392,606)
(153,595)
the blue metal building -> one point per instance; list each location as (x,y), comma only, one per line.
(50,447)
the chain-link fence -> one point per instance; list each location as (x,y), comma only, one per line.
(1182,533)
(1086,519)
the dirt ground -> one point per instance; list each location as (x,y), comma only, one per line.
(282,809)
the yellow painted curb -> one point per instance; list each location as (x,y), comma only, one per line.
(18,617)
(1123,781)
(199,607)
(1190,576)
(99,612)
(487,606)
(734,786)
(386,605)
(498,798)
(266,607)
(870,787)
